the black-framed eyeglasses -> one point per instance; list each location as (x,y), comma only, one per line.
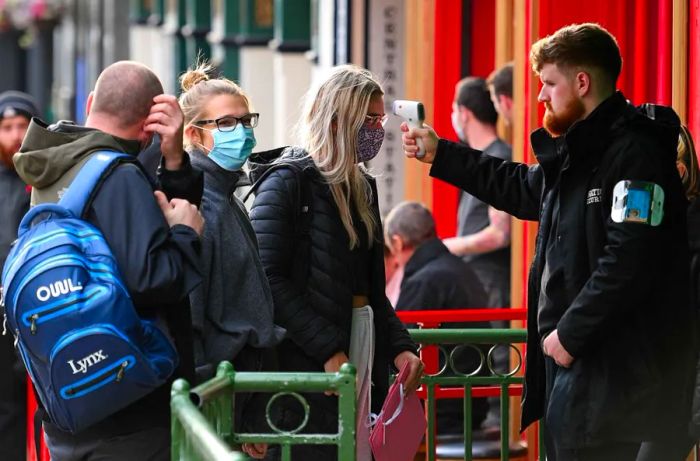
(229,122)
(374,120)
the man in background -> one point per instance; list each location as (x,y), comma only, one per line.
(500,84)
(16,110)
(483,232)
(434,278)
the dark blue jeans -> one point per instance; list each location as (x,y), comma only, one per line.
(606,451)
(151,444)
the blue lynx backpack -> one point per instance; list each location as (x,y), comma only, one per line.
(86,349)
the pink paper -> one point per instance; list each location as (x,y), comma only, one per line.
(399,429)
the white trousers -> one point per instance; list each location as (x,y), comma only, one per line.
(362,356)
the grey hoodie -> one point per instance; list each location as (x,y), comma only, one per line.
(51,156)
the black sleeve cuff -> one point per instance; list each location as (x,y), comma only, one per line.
(186,183)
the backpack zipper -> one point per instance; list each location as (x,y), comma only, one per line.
(94,269)
(117,371)
(4,314)
(58,261)
(35,317)
(10,270)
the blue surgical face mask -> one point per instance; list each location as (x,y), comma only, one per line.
(232,148)
(457,127)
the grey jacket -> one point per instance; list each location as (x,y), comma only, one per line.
(233,307)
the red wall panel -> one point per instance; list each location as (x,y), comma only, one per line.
(448,68)
(483,37)
(643,31)
(448,64)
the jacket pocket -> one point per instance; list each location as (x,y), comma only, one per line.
(562,418)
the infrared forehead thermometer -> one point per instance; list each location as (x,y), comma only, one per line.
(414,114)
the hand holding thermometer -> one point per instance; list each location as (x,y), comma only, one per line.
(414,114)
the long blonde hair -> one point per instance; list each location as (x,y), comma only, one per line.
(198,88)
(328,131)
(688,158)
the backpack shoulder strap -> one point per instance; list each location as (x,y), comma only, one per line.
(81,190)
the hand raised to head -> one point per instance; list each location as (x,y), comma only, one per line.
(166,119)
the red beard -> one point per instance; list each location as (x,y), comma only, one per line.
(6,158)
(558,123)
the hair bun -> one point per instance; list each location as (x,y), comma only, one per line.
(194,76)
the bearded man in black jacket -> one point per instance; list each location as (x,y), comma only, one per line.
(611,335)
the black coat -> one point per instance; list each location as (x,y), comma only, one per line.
(627,320)
(13,205)
(694,244)
(434,278)
(317,315)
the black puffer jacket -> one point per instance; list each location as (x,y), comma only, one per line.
(318,316)
(626,317)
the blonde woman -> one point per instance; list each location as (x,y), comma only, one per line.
(232,311)
(327,276)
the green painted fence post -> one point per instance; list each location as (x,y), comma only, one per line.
(196,28)
(180,391)
(225,27)
(346,412)
(292,31)
(505,423)
(225,404)
(256,20)
(174,21)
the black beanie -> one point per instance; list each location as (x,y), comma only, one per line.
(14,103)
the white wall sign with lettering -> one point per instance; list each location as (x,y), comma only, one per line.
(386,61)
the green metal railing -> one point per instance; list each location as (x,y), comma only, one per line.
(204,431)
(448,376)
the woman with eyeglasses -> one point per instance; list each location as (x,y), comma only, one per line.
(317,220)
(232,311)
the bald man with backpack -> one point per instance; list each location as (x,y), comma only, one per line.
(154,242)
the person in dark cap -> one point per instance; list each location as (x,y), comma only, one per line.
(16,110)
